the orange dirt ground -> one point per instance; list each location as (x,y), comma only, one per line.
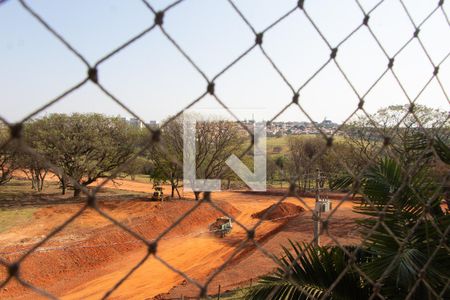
(282,210)
(91,255)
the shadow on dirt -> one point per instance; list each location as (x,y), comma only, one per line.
(39,200)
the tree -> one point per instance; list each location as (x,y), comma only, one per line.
(36,169)
(440,165)
(6,166)
(85,147)
(168,156)
(412,216)
(140,165)
(281,162)
(215,141)
(366,136)
(407,254)
(271,169)
(366,133)
(302,156)
(8,156)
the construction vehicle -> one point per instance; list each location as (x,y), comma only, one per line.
(221,227)
(158,194)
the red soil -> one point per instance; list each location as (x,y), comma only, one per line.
(282,210)
(85,246)
(91,255)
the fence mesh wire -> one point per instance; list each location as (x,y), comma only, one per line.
(94,76)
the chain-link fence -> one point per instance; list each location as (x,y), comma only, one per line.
(357,177)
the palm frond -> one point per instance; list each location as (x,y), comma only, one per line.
(411,229)
(420,142)
(313,271)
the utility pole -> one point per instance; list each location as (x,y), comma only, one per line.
(323,204)
(317,211)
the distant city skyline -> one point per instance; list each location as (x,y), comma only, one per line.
(133,119)
(276,128)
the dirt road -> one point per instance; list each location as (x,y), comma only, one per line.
(196,255)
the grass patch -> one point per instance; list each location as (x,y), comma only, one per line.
(13,217)
(141,178)
(15,188)
(274,141)
(20,188)
(18,194)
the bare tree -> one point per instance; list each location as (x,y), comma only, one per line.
(215,141)
(366,134)
(168,156)
(302,157)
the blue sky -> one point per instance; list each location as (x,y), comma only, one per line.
(154,80)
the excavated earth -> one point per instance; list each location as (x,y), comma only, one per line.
(90,255)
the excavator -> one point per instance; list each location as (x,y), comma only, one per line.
(158,194)
(221,227)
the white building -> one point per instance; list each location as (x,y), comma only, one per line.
(153,124)
(136,123)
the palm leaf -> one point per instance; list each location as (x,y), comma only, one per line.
(420,142)
(311,276)
(411,230)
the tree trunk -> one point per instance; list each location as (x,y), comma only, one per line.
(63,186)
(447,198)
(172,184)
(33,183)
(42,180)
(39,184)
(76,192)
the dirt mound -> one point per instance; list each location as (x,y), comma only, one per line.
(282,210)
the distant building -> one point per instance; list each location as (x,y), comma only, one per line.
(136,123)
(327,124)
(153,124)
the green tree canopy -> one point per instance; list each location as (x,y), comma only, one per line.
(84,147)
